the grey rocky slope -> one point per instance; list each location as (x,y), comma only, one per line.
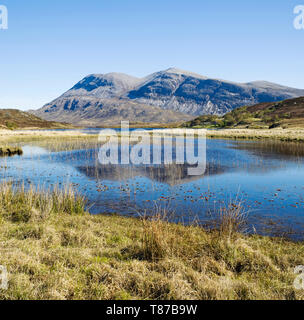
(166,96)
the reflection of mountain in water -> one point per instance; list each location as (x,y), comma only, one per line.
(171,174)
(222,157)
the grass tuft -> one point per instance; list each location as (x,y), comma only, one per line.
(232,219)
(20,205)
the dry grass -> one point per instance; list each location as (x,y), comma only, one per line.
(59,137)
(7,136)
(296,135)
(53,254)
(231,219)
(20,205)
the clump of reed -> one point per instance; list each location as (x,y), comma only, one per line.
(10,151)
(20,204)
(232,219)
(157,237)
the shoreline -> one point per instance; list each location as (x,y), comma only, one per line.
(66,254)
(285,135)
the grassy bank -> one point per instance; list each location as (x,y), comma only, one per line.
(78,137)
(54,141)
(54,250)
(8,136)
(288,135)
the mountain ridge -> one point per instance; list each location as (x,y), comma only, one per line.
(170,95)
(16,119)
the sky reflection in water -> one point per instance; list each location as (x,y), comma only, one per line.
(267,176)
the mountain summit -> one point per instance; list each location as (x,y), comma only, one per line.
(164,96)
(106,86)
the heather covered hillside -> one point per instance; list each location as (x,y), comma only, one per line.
(16,119)
(285,114)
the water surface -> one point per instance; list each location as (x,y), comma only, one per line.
(267,177)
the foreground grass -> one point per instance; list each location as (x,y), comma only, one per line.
(54,250)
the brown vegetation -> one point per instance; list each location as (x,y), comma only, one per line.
(54,250)
(15,119)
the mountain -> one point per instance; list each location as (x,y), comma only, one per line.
(193,94)
(16,119)
(101,100)
(286,114)
(167,96)
(111,85)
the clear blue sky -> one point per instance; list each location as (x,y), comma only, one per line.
(52,44)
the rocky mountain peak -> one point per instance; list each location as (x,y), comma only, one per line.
(163,96)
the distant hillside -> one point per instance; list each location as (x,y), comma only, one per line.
(171,95)
(16,119)
(93,112)
(286,114)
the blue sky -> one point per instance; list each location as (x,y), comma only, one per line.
(52,44)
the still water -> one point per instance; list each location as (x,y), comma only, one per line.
(266,177)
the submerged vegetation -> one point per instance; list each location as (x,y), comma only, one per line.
(54,250)
(10,151)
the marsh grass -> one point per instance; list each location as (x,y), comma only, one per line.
(53,250)
(156,233)
(288,135)
(21,205)
(58,138)
(10,151)
(51,136)
(232,219)
(159,242)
